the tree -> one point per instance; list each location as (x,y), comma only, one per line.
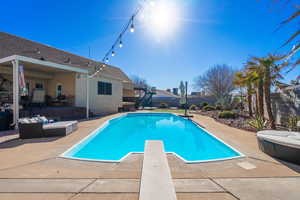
(182,89)
(271,72)
(296,47)
(257,77)
(217,81)
(294,17)
(245,80)
(139,82)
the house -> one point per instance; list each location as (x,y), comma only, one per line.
(197,94)
(60,73)
(164,96)
(172,100)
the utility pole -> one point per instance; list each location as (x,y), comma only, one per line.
(186,99)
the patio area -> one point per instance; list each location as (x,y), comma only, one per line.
(31,169)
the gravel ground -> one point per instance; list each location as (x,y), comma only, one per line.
(240,122)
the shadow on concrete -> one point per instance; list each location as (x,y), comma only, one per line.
(292,166)
(18,142)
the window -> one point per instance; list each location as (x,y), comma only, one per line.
(39,86)
(58,90)
(104,88)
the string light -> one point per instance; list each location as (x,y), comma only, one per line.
(131,27)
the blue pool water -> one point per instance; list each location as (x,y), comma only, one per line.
(128,133)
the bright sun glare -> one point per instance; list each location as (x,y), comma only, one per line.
(160,17)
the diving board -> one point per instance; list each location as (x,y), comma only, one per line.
(156,181)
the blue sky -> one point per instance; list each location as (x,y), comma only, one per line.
(207,32)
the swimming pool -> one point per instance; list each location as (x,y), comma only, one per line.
(127,134)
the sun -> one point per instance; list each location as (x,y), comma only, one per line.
(160,17)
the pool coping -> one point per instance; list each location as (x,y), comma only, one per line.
(93,133)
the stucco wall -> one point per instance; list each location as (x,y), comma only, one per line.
(68,84)
(128,92)
(99,104)
(49,81)
(31,77)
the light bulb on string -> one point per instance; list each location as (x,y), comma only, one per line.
(121,44)
(132,27)
(106,60)
(113,53)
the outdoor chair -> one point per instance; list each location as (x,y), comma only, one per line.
(39,97)
(61,100)
(37,128)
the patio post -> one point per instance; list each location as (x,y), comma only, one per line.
(16,92)
(87,97)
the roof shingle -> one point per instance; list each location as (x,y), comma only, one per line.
(14,45)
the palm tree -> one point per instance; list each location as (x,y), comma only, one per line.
(271,72)
(295,16)
(257,76)
(244,80)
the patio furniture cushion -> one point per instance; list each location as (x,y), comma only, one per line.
(287,138)
(39,96)
(60,128)
(280,144)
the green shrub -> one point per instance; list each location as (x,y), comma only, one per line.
(259,123)
(227,115)
(202,105)
(227,103)
(208,108)
(181,106)
(218,106)
(163,105)
(193,107)
(292,122)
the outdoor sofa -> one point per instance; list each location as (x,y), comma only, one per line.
(38,128)
(283,145)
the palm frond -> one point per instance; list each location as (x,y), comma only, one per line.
(294,16)
(293,51)
(292,37)
(296,63)
(281,66)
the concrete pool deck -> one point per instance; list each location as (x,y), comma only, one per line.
(31,169)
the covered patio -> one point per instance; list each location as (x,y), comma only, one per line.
(52,78)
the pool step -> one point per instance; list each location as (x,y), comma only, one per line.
(156,181)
